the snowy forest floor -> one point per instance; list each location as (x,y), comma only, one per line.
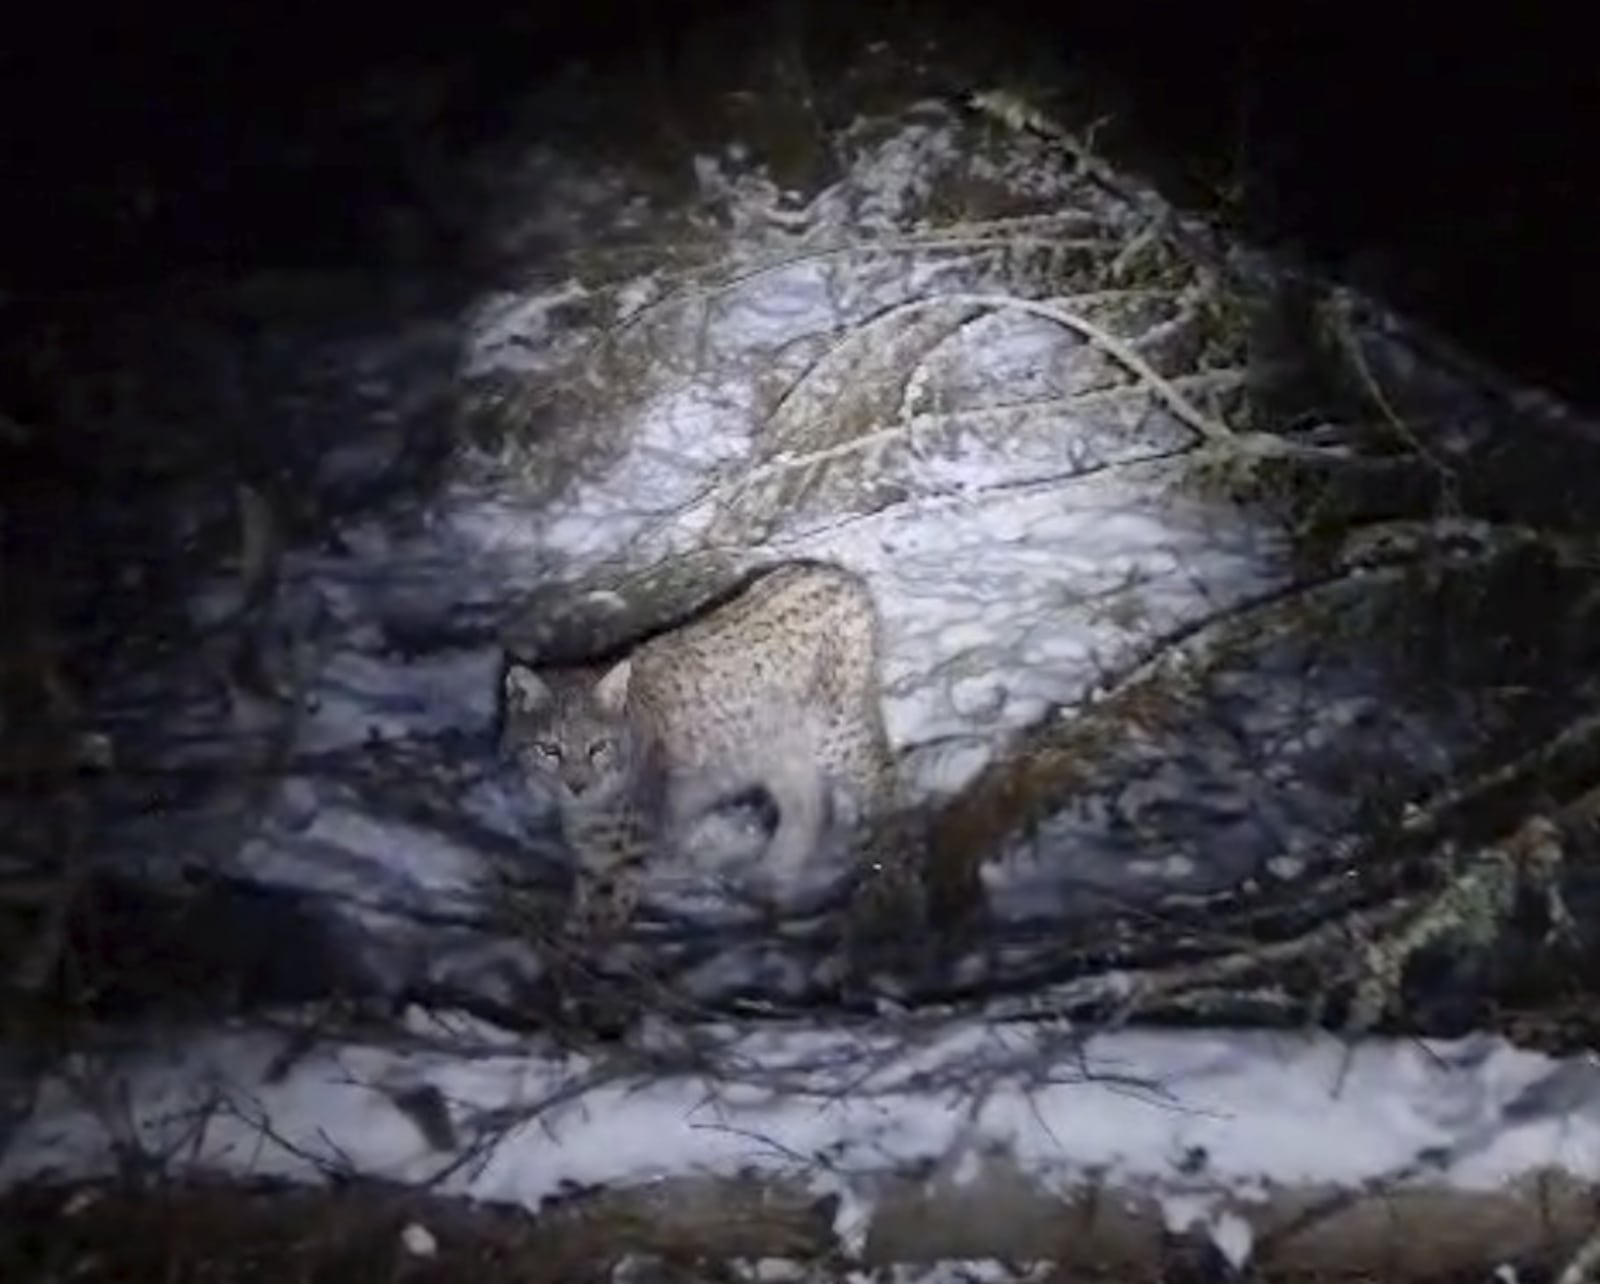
(1239,659)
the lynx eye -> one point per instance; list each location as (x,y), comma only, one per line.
(545,749)
(600,750)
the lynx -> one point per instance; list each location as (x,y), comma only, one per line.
(776,691)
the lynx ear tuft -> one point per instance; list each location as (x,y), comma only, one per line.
(611,692)
(526,691)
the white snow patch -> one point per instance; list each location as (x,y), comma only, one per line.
(1265,1110)
(1234,1239)
(82,1201)
(506,328)
(350,855)
(959,585)
(360,698)
(778,1270)
(418,1241)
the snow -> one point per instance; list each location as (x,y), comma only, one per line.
(362,697)
(419,1241)
(1030,549)
(1232,1235)
(1034,540)
(1130,1108)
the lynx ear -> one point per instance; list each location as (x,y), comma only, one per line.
(526,691)
(611,692)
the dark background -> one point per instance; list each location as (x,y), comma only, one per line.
(1443,155)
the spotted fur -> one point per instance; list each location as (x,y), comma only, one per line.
(777,690)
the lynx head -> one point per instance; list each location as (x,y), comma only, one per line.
(570,735)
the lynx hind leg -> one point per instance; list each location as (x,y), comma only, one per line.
(855,744)
(862,765)
(800,793)
(889,838)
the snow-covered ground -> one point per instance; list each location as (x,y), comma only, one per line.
(989,419)
(1220,1131)
(922,398)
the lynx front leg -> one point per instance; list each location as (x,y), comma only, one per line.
(604,904)
(866,771)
